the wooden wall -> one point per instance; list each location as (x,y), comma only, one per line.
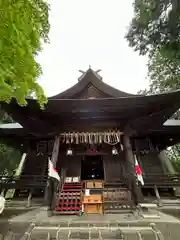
(71,165)
(113,167)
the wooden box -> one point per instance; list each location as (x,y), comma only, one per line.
(93,199)
(93,204)
(89,184)
(94,184)
(98,184)
(93,208)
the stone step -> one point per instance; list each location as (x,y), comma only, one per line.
(93,224)
(126,233)
(136,232)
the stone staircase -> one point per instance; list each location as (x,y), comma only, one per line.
(88,231)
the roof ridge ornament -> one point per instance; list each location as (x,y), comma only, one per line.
(96,73)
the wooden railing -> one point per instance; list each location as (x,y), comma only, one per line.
(161,180)
(39,181)
(117,199)
(23,181)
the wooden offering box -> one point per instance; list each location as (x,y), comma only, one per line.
(93,204)
(94,184)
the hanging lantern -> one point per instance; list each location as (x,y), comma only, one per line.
(114,151)
(69,152)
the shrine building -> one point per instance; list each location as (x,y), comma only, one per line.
(94,133)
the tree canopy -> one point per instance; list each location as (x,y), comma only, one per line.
(9,156)
(156,25)
(23,27)
(155,31)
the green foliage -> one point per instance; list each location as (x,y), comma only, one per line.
(156,25)
(164,73)
(9,159)
(174,156)
(9,156)
(4,117)
(155,31)
(23,27)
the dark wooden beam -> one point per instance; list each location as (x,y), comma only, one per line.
(131,171)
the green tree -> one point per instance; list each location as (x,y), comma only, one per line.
(174,156)
(155,31)
(164,73)
(155,26)
(9,159)
(9,156)
(23,27)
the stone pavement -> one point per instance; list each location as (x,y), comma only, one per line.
(127,226)
(94,233)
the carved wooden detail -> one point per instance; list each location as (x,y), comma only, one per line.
(91,92)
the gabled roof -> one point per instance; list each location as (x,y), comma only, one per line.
(92,78)
(69,111)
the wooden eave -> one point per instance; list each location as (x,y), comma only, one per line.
(141,112)
(164,137)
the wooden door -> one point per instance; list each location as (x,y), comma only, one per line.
(72,164)
(112,168)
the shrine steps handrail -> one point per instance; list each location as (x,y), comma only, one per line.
(23,181)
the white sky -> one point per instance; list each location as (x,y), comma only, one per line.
(91,32)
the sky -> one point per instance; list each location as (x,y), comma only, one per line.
(90,32)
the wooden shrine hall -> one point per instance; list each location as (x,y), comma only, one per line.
(93,133)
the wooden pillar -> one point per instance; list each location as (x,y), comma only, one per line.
(55,150)
(131,171)
(159,203)
(29,198)
(51,185)
(165,161)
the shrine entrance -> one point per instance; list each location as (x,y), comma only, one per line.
(92,168)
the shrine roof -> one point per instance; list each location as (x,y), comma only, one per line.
(141,112)
(91,77)
(76,109)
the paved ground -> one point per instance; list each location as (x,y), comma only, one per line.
(129,226)
(112,226)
